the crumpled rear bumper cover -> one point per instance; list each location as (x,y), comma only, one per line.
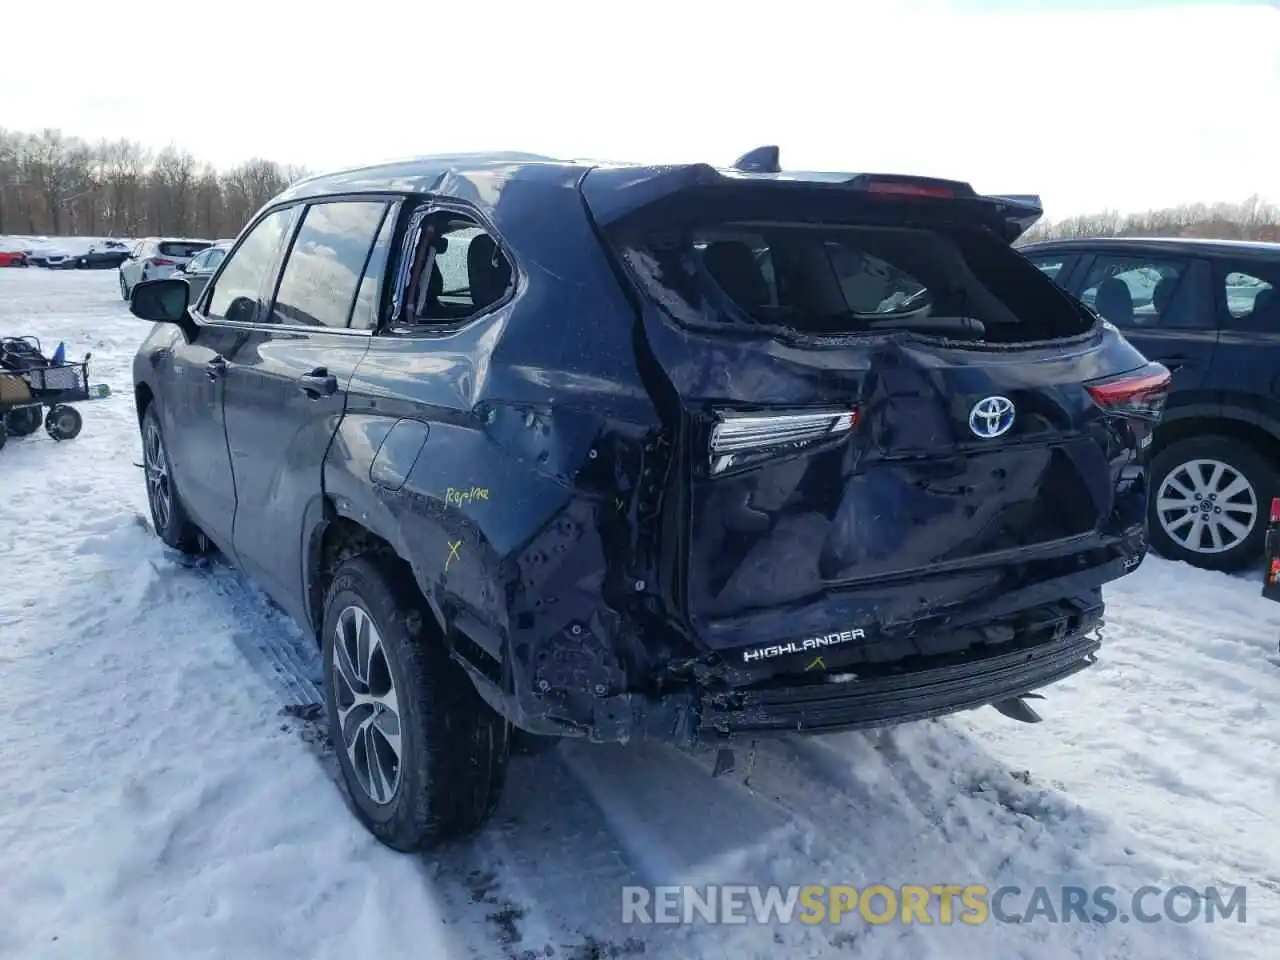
(877,701)
(876,696)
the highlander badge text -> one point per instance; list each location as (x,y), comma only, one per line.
(803,646)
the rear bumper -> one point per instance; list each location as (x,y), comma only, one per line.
(877,701)
(1052,642)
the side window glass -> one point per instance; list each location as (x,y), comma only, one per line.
(458,271)
(321,276)
(237,296)
(1143,292)
(215,257)
(1251,300)
(364,316)
(1055,268)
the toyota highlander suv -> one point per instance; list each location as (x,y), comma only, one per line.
(543,449)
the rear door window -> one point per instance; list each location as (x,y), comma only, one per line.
(322,274)
(1141,291)
(1247,296)
(1057,267)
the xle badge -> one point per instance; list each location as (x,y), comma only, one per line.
(803,646)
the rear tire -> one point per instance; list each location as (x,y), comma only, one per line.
(447,775)
(168,516)
(1227,486)
(24,421)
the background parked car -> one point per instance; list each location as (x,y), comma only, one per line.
(108,256)
(1208,310)
(12,258)
(156,258)
(202,266)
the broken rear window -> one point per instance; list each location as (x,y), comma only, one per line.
(841,280)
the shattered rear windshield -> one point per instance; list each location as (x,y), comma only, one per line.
(834,280)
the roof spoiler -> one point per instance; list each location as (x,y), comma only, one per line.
(614,194)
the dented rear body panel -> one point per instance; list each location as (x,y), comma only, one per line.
(639,509)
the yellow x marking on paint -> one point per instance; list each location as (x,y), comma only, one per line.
(453,553)
(817,664)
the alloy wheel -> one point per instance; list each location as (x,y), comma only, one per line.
(368,711)
(1207,506)
(156,464)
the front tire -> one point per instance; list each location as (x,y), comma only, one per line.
(423,757)
(168,516)
(1208,503)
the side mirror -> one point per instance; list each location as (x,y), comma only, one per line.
(160,301)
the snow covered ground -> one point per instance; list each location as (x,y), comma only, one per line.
(167,792)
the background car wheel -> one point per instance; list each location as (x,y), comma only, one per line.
(423,757)
(24,421)
(63,422)
(168,516)
(1209,502)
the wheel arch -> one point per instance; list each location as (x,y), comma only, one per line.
(1257,431)
(143,397)
(335,536)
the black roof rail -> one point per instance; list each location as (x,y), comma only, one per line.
(759,160)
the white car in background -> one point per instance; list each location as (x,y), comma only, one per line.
(156,258)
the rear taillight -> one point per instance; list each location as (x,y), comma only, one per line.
(1140,394)
(741,438)
(163,262)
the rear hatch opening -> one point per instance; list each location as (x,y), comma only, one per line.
(805,280)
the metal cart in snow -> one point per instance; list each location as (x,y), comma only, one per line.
(31,384)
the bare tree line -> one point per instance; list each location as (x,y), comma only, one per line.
(1252,219)
(57,185)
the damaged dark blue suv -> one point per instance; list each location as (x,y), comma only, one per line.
(544,449)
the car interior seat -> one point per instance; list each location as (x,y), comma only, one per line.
(488,272)
(734,267)
(1114,301)
(1266,307)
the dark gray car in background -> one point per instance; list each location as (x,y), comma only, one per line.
(203,265)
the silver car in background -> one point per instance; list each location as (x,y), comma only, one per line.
(201,267)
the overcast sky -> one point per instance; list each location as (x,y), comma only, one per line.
(1091,104)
